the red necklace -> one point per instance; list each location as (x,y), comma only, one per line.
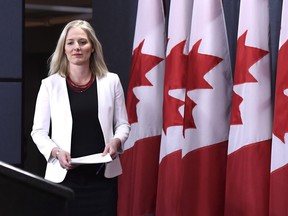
(80,88)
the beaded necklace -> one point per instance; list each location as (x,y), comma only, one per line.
(80,88)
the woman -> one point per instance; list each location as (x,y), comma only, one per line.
(85,105)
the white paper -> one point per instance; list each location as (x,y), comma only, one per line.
(92,159)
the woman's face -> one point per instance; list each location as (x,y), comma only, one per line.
(78,48)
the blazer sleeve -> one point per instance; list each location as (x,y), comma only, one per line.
(120,118)
(41,123)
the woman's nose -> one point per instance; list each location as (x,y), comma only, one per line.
(76,47)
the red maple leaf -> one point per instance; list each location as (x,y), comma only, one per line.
(141,64)
(198,66)
(236,101)
(188,117)
(246,57)
(176,65)
(281,100)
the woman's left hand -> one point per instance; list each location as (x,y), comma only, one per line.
(112,147)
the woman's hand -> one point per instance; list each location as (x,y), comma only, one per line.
(112,147)
(63,157)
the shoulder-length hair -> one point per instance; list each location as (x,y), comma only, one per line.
(58,61)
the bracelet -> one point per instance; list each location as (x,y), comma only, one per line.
(57,153)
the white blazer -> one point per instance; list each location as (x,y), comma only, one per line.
(52,105)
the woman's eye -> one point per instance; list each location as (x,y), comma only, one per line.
(83,42)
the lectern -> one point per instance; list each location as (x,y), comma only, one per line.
(23,193)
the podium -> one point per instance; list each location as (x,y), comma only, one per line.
(22,193)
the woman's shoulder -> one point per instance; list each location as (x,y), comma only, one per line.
(53,78)
(110,76)
(54,81)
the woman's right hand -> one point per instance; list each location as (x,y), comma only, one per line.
(63,157)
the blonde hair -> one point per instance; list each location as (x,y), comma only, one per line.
(58,61)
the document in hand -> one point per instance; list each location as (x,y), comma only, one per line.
(92,159)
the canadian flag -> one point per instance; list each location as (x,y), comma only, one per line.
(140,160)
(249,147)
(279,158)
(169,179)
(207,112)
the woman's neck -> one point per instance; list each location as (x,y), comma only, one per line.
(79,74)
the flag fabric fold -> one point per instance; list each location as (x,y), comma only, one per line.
(140,160)
(279,154)
(249,147)
(207,112)
(169,177)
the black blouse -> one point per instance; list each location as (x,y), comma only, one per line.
(87,136)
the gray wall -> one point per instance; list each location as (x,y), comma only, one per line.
(114,23)
(11,20)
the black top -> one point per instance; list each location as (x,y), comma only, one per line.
(87,136)
(94,193)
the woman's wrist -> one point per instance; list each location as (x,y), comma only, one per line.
(55,152)
(117,143)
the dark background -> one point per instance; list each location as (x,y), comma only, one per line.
(25,50)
